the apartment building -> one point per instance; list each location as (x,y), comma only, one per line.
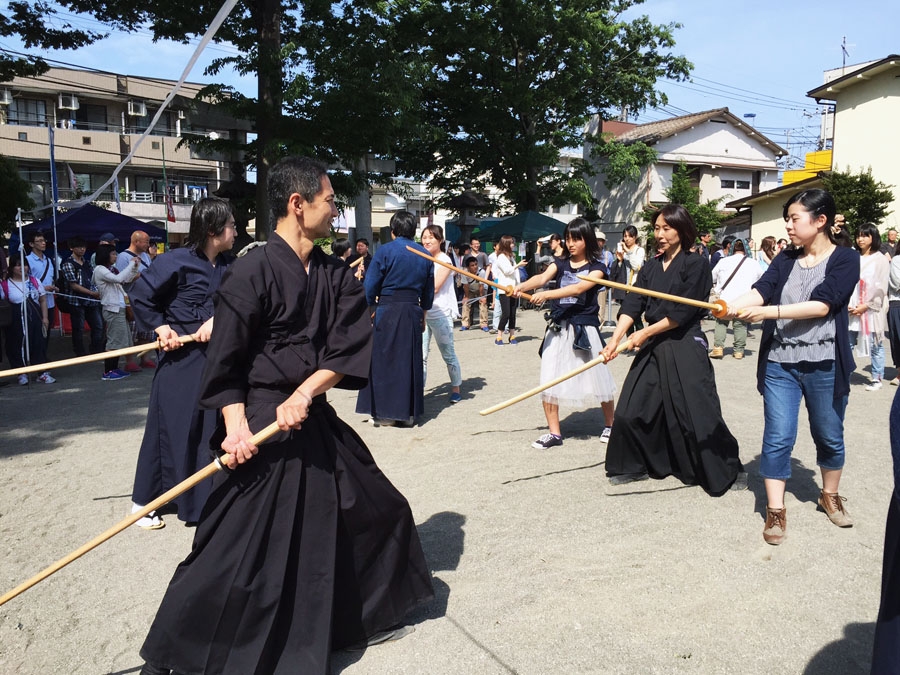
(97,117)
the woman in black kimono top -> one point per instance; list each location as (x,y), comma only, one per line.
(173,297)
(668,420)
(306,547)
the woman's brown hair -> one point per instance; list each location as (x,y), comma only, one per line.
(506,244)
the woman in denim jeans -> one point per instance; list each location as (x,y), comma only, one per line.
(439,319)
(804,352)
(868,306)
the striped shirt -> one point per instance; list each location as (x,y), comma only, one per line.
(803,340)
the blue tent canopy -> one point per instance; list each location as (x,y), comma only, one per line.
(526,226)
(89,222)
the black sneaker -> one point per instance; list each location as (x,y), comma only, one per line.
(623,478)
(547,441)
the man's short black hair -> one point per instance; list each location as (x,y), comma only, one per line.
(75,242)
(363,240)
(403,224)
(34,235)
(728,241)
(293,174)
(469,261)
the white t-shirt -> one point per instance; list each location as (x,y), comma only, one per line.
(748,274)
(16,289)
(445,297)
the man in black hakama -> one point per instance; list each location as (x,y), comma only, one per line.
(668,420)
(307,547)
(403,284)
(177,292)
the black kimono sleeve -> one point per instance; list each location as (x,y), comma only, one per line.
(635,304)
(694,281)
(153,291)
(238,309)
(348,348)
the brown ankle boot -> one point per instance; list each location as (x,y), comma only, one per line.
(776,526)
(833,505)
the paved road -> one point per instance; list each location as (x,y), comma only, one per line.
(539,565)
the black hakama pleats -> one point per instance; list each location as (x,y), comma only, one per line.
(396,387)
(322,553)
(176,437)
(886,656)
(668,420)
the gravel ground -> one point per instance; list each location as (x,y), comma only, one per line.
(539,565)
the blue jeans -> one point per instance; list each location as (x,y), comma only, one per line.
(442,327)
(785,385)
(876,354)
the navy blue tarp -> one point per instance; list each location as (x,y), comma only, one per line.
(89,222)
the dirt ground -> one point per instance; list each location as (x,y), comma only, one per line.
(539,565)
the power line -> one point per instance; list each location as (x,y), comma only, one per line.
(712,92)
(748,91)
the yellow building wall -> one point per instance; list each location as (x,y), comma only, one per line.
(815,162)
(767,219)
(865,133)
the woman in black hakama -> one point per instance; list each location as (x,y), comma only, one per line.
(174,296)
(668,419)
(307,547)
(886,657)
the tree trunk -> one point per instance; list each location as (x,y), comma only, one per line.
(269,101)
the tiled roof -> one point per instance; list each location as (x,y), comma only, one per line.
(653,132)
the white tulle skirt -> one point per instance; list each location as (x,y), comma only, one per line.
(590,388)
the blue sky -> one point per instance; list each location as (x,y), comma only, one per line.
(774,51)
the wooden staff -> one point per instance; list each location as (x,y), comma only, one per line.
(357,262)
(718,308)
(157,503)
(625,346)
(78,360)
(506,289)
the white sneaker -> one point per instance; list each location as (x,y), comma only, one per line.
(874,385)
(896,381)
(604,437)
(23,379)
(46,378)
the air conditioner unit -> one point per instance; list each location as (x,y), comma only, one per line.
(137,109)
(68,102)
(181,114)
(5,97)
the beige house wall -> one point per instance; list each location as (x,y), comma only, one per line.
(865,132)
(767,218)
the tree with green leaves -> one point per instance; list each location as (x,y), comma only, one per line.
(330,81)
(860,197)
(706,215)
(514,83)
(15,193)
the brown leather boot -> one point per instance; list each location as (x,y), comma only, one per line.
(776,526)
(833,505)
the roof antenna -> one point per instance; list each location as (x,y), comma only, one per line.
(845,54)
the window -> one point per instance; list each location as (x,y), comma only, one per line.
(85,140)
(28,112)
(91,117)
(742,184)
(727,184)
(154,145)
(23,135)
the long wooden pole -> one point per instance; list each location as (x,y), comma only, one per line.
(506,289)
(78,360)
(157,503)
(625,346)
(356,262)
(718,308)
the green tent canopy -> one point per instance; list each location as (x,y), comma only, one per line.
(527,226)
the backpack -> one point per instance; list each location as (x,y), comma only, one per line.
(62,302)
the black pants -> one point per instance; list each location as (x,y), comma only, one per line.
(508,307)
(91,314)
(893,320)
(37,345)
